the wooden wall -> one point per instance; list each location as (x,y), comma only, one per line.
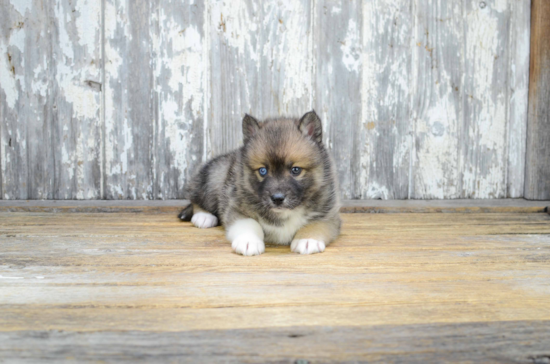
(121,99)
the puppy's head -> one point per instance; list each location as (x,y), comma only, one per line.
(282,159)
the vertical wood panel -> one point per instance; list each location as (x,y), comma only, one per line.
(180,71)
(260,64)
(130,105)
(234,61)
(386,92)
(537,171)
(338,49)
(466,135)
(27,100)
(518,88)
(438,68)
(285,58)
(76,32)
(484,140)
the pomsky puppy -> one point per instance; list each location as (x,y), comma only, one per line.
(279,187)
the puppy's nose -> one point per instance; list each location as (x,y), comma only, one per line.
(277,198)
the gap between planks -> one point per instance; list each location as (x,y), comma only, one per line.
(348,206)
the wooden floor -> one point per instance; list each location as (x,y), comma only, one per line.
(130,287)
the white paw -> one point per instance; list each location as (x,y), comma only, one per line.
(307,246)
(204,220)
(248,244)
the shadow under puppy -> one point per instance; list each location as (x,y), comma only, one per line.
(279,187)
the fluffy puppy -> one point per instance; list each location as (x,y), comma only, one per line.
(279,188)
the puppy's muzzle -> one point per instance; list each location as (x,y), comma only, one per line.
(278,198)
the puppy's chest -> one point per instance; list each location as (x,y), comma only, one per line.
(283,234)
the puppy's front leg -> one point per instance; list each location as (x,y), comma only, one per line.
(313,237)
(246,237)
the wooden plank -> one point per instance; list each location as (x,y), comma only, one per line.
(106,286)
(348,206)
(518,85)
(260,62)
(285,68)
(181,70)
(485,92)
(386,91)
(27,102)
(495,342)
(130,106)
(537,171)
(77,124)
(234,57)
(438,68)
(469,106)
(337,90)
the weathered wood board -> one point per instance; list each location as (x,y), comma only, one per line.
(523,342)
(122,99)
(129,287)
(173,207)
(537,171)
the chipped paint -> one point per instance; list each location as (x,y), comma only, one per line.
(7,77)
(422,99)
(351,49)
(21,6)
(289,37)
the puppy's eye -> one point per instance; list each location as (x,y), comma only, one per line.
(295,171)
(262,171)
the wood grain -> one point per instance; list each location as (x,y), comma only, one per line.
(386,128)
(419,99)
(414,280)
(520,206)
(180,73)
(483,140)
(518,53)
(537,171)
(468,141)
(27,155)
(130,107)
(76,139)
(337,91)
(260,64)
(496,342)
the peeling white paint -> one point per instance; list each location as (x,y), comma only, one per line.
(21,6)
(7,78)
(437,169)
(498,5)
(400,67)
(237,25)
(90,15)
(351,51)
(291,40)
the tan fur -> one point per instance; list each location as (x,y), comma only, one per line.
(325,231)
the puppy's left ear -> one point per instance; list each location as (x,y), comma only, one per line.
(250,127)
(310,125)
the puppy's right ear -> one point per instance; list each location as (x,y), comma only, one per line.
(250,127)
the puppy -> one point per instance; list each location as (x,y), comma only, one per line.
(279,187)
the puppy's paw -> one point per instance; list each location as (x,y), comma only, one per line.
(248,244)
(307,246)
(204,220)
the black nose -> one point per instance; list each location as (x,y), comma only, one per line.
(277,198)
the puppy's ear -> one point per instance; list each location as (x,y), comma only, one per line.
(250,127)
(310,125)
